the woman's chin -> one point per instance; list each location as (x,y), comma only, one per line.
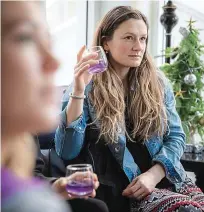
(48,121)
(135,64)
(46,128)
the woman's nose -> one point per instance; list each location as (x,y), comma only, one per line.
(137,46)
(51,63)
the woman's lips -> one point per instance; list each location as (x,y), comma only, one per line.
(134,57)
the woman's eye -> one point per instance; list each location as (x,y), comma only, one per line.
(24,38)
(129,38)
(143,38)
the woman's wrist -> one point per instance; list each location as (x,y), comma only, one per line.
(76,96)
(78,92)
(158,172)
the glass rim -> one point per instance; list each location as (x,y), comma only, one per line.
(95,47)
(79,166)
(98,48)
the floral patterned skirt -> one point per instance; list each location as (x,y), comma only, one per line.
(189,198)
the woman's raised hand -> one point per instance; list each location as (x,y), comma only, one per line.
(82,77)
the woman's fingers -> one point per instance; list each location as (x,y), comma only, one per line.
(79,72)
(95,177)
(93,194)
(137,193)
(132,183)
(130,191)
(131,188)
(96,184)
(90,63)
(91,56)
(80,53)
(85,176)
(59,184)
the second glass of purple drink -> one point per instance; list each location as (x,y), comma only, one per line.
(80,181)
(103,62)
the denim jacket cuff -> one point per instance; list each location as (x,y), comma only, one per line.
(77,124)
(171,173)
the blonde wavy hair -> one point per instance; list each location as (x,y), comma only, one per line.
(145,99)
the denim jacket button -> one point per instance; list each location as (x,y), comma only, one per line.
(117,149)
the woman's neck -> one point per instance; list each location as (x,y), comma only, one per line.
(6,149)
(5,153)
(18,154)
(121,71)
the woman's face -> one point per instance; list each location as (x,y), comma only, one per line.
(128,44)
(29,101)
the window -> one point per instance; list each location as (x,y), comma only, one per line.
(67,22)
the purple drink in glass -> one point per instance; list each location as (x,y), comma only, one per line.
(80,181)
(101,57)
(80,188)
(98,68)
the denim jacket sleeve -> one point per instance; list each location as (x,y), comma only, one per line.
(173,141)
(69,139)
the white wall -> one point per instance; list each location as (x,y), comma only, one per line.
(67,21)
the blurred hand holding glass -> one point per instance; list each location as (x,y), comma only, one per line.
(80,181)
(103,62)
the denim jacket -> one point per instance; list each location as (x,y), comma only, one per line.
(166,150)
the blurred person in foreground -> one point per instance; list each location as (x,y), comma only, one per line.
(29,106)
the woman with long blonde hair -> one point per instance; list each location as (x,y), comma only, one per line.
(124,122)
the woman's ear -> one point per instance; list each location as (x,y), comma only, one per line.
(105,44)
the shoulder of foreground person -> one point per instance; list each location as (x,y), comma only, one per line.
(39,199)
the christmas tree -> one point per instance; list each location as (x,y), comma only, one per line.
(187,76)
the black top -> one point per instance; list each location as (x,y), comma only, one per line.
(141,155)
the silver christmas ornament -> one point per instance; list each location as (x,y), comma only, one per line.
(190,79)
(184,32)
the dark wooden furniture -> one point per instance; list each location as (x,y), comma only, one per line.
(194,162)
